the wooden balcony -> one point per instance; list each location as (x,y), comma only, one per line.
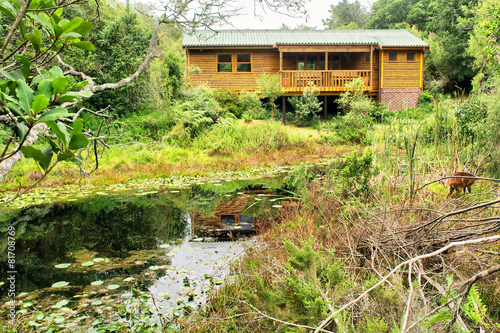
(293,81)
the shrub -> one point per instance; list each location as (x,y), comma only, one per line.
(230,101)
(354,99)
(351,128)
(468,114)
(306,105)
(425,97)
(353,173)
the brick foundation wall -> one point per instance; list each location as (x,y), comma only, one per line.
(398,98)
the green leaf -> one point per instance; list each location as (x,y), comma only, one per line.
(79,85)
(15,110)
(37,155)
(73,24)
(60,130)
(45,89)
(78,160)
(35,39)
(58,30)
(72,95)
(14,75)
(45,21)
(25,95)
(66,156)
(55,72)
(77,126)
(8,10)
(22,131)
(88,46)
(25,70)
(84,28)
(51,142)
(59,84)
(48,152)
(34,4)
(39,104)
(54,114)
(71,35)
(39,316)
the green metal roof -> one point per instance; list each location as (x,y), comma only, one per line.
(384,38)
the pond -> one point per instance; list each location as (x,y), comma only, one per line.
(84,258)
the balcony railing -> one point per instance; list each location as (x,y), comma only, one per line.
(323,80)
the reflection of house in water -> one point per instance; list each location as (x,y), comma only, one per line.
(229,220)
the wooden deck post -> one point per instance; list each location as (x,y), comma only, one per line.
(283,109)
(325,107)
(371,67)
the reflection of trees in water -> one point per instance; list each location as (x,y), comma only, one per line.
(110,225)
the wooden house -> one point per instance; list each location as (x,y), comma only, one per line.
(390,62)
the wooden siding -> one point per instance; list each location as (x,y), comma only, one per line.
(401,74)
(206,62)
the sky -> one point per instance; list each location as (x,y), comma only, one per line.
(317,9)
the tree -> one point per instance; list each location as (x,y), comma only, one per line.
(345,13)
(270,88)
(485,39)
(444,24)
(34,97)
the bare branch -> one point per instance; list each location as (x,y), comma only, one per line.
(407,262)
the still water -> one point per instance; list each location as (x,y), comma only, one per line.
(176,244)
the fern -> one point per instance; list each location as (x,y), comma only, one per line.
(474,308)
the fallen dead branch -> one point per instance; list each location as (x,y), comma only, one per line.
(398,267)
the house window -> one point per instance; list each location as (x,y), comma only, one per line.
(410,56)
(367,58)
(309,62)
(393,56)
(333,62)
(224,63)
(243,63)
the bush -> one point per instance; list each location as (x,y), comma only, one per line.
(353,173)
(306,105)
(230,101)
(351,128)
(354,100)
(468,114)
(425,97)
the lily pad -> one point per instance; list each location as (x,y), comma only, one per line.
(60,284)
(163,293)
(113,286)
(62,265)
(87,263)
(60,304)
(97,283)
(154,268)
(277,206)
(129,279)
(98,259)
